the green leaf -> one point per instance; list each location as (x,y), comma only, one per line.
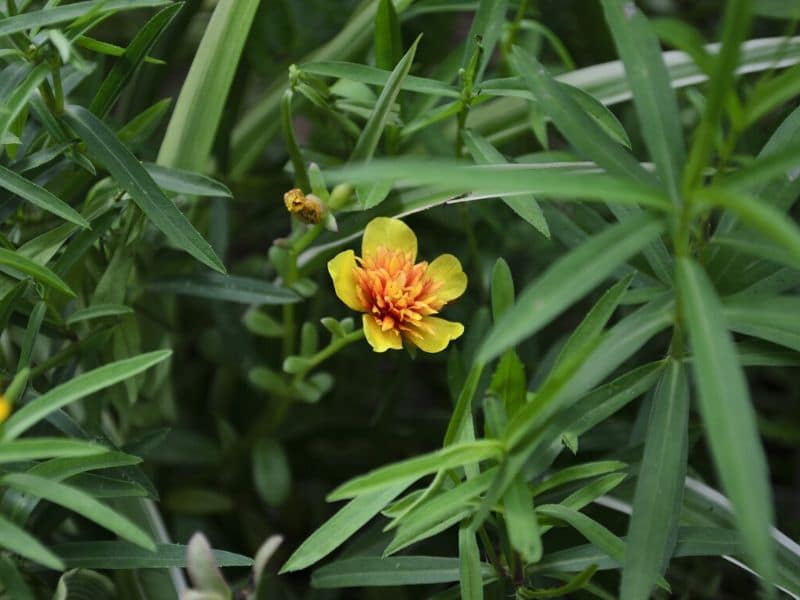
(368,571)
(38,448)
(525,206)
(193,126)
(81,503)
(16,261)
(368,140)
(271,475)
(408,471)
(62,14)
(576,473)
(123,555)
(133,178)
(39,196)
(13,581)
(229,288)
(110,49)
(124,69)
(572,181)
(728,415)
(772,222)
(567,280)
(770,318)
(78,387)
(502,288)
(770,93)
(373,76)
(509,383)
(486,29)
(653,95)
(521,522)
(12,106)
(186,182)
(426,518)
(589,330)
(735,25)
(469,564)
(98,311)
(593,531)
(580,130)
(653,528)
(336,530)
(388,39)
(19,542)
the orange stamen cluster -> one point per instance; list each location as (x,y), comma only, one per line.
(394,290)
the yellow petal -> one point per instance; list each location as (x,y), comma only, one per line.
(446,271)
(5,408)
(392,233)
(344,281)
(433,334)
(381,340)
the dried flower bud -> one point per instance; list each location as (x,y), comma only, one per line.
(307,207)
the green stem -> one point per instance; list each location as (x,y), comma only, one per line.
(332,348)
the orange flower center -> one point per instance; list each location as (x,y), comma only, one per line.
(397,292)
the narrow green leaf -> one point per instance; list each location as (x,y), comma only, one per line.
(39,196)
(763,217)
(408,471)
(525,206)
(425,518)
(469,564)
(388,39)
(593,531)
(579,129)
(502,288)
(98,311)
(13,581)
(16,261)
(770,318)
(80,502)
(521,522)
(229,288)
(771,93)
(336,530)
(653,95)
(486,29)
(110,49)
(38,448)
(373,76)
(735,25)
(133,178)
(20,542)
(571,474)
(12,106)
(62,14)
(78,387)
(595,321)
(191,131)
(123,555)
(369,571)
(124,69)
(653,528)
(567,280)
(368,140)
(728,415)
(573,181)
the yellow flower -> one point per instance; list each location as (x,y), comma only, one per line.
(397,296)
(5,408)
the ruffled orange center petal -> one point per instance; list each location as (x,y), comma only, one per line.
(396,292)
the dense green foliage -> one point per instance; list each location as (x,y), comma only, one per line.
(619,181)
